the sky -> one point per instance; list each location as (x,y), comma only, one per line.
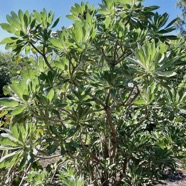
(61,8)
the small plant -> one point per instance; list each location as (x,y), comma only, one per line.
(68,178)
(35,178)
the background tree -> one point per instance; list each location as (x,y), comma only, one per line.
(101,95)
(10,66)
(182,19)
(5,70)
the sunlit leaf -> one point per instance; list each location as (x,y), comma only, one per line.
(18,110)
(166,73)
(7,27)
(8,102)
(56,43)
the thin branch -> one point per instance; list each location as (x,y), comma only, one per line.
(48,157)
(46,60)
(92,96)
(113,131)
(24,174)
(94,111)
(43,55)
(115,52)
(128,98)
(137,125)
(52,178)
(69,67)
(122,56)
(91,154)
(36,48)
(97,100)
(107,99)
(136,95)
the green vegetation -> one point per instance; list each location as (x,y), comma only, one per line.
(99,103)
(10,66)
(5,70)
(182,19)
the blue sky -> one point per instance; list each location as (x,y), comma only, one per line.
(62,8)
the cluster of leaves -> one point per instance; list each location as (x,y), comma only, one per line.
(105,96)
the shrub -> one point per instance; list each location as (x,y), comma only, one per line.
(101,96)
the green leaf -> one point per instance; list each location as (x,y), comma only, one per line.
(13,136)
(9,159)
(172,23)
(18,110)
(37,16)
(72,17)
(165,74)
(52,148)
(25,18)
(56,22)
(6,142)
(8,148)
(42,99)
(78,32)
(3,113)
(27,49)
(70,97)
(14,22)
(9,40)
(107,21)
(104,11)
(50,95)
(15,17)
(17,89)
(139,102)
(56,43)
(7,27)
(21,16)
(8,102)
(151,8)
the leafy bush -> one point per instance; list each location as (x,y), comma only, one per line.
(5,61)
(10,66)
(101,97)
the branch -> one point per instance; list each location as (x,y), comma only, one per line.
(113,131)
(36,48)
(46,60)
(121,57)
(48,157)
(24,174)
(115,52)
(70,64)
(137,94)
(92,96)
(42,54)
(128,99)
(137,125)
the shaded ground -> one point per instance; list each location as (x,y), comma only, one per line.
(171,179)
(176,179)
